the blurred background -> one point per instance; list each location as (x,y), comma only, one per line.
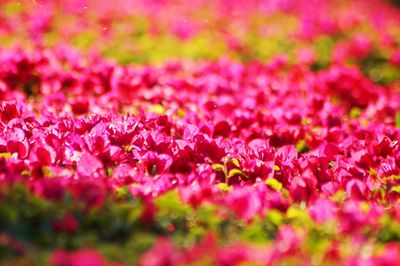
(139,31)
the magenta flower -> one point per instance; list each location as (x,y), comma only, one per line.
(162,253)
(85,256)
(323,210)
(17,142)
(89,166)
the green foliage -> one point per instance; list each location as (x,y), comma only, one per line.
(273,183)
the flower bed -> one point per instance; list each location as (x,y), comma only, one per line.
(291,159)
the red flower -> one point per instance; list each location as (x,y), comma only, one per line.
(67,224)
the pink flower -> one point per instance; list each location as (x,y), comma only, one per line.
(91,192)
(395,58)
(195,193)
(17,142)
(89,166)
(50,188)
(156,164)
(356,189)
(306,56)
(360,46)
(162,253)
(85,256)
(287,241)
(322,210)
(246,202)
(9,111)
(124,174)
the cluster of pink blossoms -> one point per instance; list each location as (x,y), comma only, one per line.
(251,139)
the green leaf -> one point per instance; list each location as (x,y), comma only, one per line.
(235,172)
(298,215)
(274,184)
(396,189)
(224,187)
(121,192)
(235,162)
(171,201)
(218,167)
(285,193)
(275,217)
(26,173)
(397,119)
(302,146)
